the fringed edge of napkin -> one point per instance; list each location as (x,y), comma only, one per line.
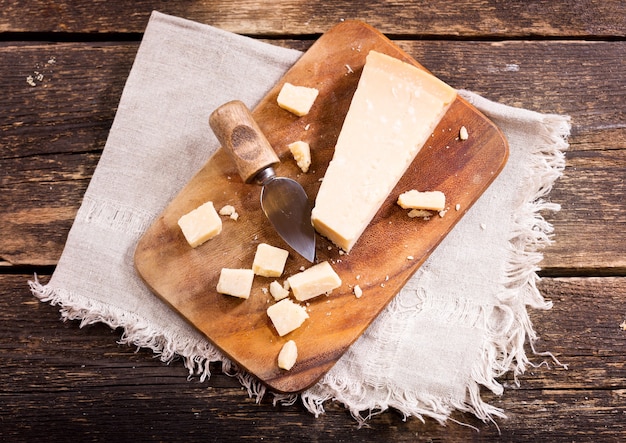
(196,354)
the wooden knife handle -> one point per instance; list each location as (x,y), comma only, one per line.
(237,131)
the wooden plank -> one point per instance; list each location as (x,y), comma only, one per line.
(59,379)
(468,18)
(52,133)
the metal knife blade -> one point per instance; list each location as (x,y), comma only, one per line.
(283,200)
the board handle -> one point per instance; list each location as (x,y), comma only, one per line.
(240,135)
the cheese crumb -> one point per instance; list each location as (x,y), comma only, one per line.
(301,152)
(410,257)
(358,292)
(414,213)
(442,213)
(288,355)
(230,211)
(483,226)
(457,207)
(297,99)
(463,134)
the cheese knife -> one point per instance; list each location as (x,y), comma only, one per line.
(283,200)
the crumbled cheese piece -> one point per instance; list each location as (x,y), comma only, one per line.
(297,99)
(314,281)
(442,213)
(278,291)
(414,213)
(301,152)
(358,292)
(235,282)
(457,207)
(288,355)
(410,257)
(433,200)
(201,224)
(287,316)
(269,261)
(463,134)
(483,226)
(230,211)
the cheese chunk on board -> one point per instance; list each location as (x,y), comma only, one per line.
(288,355)
(301,152)
(393,112)
(286,316)
(296,99)
(269,261)
(314,281)
(413,199)
(235,282)
(201,224)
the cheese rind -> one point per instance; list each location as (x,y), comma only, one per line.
(430,200)
(301,152)
(269,261)
(200,225)
(314,281)
(296,99)
(286,316)
(288,355)
(235,282)
(393,112)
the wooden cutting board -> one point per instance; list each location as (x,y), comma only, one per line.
(186,278)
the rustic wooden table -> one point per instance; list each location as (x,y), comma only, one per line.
(63,66)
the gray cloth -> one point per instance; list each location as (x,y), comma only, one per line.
(459,323)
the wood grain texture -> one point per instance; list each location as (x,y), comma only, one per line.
(186,278)
(550,56)
(53,133)
(466,18)
(59,379)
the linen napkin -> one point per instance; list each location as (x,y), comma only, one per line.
(460,322)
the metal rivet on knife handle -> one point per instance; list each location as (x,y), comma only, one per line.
(239,134)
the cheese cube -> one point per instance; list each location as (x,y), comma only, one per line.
(288,355)
(393,112)
(235,282)
(432,200)
(297,99)
(278,291)
(287,316)
(201,224)
(314,281)
(269,261)
(301,152)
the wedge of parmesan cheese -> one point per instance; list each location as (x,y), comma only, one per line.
(286,316)
(200,225)
(428,200)
(393,112)
(316,280)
